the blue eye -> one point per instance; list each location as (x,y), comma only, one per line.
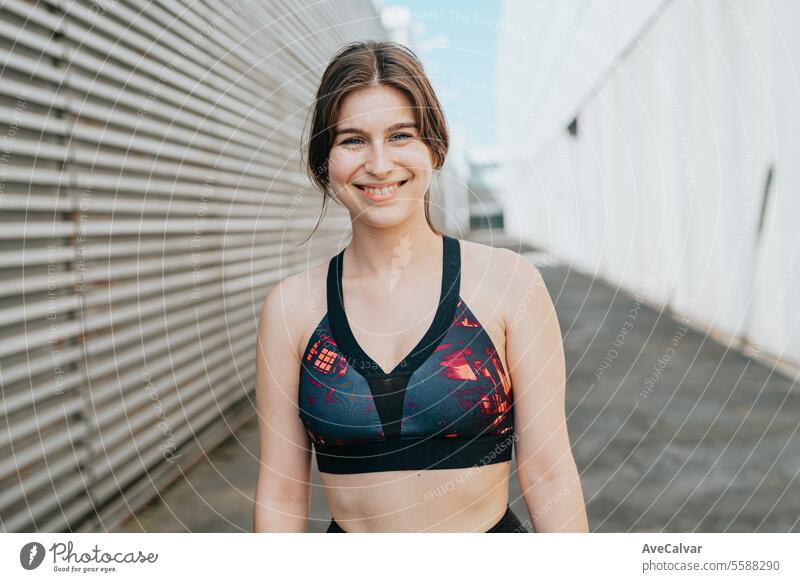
(357,139)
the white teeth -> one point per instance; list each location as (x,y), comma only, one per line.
(382,191)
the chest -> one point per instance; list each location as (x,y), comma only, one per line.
(389,324)
(458,389)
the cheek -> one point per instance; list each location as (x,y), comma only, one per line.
(420,164)
(420,157)
(340,167)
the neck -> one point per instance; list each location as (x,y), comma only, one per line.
(384,252)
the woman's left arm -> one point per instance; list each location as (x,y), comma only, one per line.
(546,468)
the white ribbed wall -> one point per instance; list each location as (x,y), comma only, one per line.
(150,194)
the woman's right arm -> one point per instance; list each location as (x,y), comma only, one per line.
(282,490)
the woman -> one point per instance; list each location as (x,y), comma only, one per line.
(390,359)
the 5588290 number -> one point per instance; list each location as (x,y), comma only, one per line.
(756,565)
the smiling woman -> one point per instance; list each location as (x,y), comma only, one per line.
(408,121)
(403,387)
(376,163)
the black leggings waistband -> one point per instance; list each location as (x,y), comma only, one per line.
(509,523)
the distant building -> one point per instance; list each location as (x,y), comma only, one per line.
(453,183)
(485,186)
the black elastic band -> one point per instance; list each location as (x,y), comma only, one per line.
(415,454)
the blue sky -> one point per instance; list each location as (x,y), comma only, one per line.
(457,42)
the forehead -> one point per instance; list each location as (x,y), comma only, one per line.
(374,109)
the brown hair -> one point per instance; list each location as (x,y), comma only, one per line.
(364,64)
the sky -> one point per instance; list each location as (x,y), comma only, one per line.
(457,42)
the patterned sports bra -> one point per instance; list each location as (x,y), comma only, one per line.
(447,404)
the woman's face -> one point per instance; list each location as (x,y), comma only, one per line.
(378,144)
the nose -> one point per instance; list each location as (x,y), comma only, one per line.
(378,163)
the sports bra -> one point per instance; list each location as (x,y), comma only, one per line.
(447,404)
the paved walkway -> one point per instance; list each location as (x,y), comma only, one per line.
(699,439)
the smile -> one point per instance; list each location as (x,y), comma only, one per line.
(383,193)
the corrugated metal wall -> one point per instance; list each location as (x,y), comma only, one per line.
(681,182)
(150,194)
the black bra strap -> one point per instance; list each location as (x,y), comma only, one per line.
(448,299)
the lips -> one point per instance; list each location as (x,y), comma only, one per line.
(380,186)
(380,194)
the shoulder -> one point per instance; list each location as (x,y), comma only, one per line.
(282,295)
(505,266)
(472,252)
(513,277)
(292,303)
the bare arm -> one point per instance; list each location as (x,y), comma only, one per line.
(546,467)
(282,490)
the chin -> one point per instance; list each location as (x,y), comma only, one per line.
(383,215)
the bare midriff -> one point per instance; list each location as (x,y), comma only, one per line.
(471,499)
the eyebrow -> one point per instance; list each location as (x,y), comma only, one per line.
(391,128)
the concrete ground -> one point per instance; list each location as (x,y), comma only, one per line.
(708,442)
